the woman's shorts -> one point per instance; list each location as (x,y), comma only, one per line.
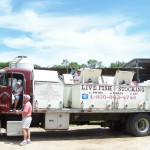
(26,122)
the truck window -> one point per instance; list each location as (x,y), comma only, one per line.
(4,80)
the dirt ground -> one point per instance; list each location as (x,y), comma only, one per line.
(77,138)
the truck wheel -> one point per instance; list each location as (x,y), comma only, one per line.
(140,125)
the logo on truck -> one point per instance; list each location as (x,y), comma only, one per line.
(85,96)
(4,93)
(3,102)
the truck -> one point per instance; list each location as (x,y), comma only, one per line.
(117,102)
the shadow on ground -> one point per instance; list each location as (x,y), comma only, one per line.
(77,134)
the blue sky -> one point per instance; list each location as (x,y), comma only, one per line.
(48,31)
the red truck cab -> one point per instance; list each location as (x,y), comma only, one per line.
(7,78)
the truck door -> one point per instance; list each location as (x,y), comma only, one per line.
(5,91)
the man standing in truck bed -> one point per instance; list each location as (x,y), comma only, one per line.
(76,77)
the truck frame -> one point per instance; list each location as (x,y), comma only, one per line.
(116,101)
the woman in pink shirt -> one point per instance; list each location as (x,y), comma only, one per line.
(26,119)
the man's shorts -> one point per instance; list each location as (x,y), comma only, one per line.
(18,97)
(26,122)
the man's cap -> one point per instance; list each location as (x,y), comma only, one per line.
(78,70)
(18,82)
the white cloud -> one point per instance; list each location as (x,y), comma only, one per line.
(5,7)
(21,42)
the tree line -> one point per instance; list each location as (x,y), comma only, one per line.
(92,63)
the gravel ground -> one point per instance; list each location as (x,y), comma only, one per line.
(77,138)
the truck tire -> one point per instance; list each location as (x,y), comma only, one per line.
(139,125)
(128,122)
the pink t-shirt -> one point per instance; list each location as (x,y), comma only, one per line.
(27,110)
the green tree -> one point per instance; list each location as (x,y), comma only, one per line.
(36,66)
(92,63)
(83,65)
(57,66)
(117,64)
(4,64)
(65,63)
(74,65)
